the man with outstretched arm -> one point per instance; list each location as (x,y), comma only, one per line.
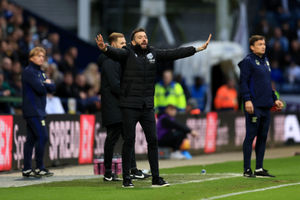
(137,94)
(111,112)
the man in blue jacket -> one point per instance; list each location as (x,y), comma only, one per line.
(258,97)
(35,88)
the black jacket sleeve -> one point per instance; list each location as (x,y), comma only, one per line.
(111,71)
(117,54)
(172,124)
(173,54)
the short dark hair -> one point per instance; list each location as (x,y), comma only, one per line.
(136,31)
(255,38)
(114,36)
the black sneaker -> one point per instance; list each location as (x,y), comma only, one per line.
(127,183)
(248,173)
(111,177)
(138,174)
(159,182)
(30,173)
(262,173)
(44,172)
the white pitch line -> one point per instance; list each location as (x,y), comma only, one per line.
(226,175)
(250,191)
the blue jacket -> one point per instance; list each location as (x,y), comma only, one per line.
(255,81)
(35,91)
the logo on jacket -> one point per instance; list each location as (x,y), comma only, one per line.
(254,119)
(150,57)
(44,75)
(257,62)
(268,64)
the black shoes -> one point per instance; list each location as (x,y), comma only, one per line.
(159,182)
(248,173)
(43,172)
(262,173)
(111,177)
(138,174)
(127,183)
(30,173)
(38,173)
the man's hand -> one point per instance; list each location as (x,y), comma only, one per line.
(249,107)
(279,104)
(6,93)
(204,46)
(194,133)
(47,81)
(99,40)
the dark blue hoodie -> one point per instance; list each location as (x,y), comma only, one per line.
(35,91)
(255,81)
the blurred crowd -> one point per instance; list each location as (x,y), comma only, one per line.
(78,91)
(279,22)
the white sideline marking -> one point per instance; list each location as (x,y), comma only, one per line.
(225,176)
(249,191)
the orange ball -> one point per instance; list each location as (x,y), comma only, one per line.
(185,145)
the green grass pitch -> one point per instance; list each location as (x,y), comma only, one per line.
(222,181)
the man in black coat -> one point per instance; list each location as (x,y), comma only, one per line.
(111,112)
(137,94)
(35,87)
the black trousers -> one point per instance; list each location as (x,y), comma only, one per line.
(172,139)
(114,131)
(37,137)
(257,124)
(146,118)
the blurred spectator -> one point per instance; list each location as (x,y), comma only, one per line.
(93,78)
(277,36)
(171,133)
(68,62)
(192,107)
(54,74)
(5,91)
(276,73)
(264,28)
(6,66)
(287,31)
(298,29)
(293,73)
(295,51)
(86,102)
(178,78)
(168,92)
(67,87)
(276,53)
(199,92)
(53,105)
(226,97)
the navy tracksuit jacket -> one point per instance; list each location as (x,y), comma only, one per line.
(34,104)
(255,85)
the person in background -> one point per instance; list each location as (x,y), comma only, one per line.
(199,92)
(226,97)
(35,88)
(171,133)
(168,92)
